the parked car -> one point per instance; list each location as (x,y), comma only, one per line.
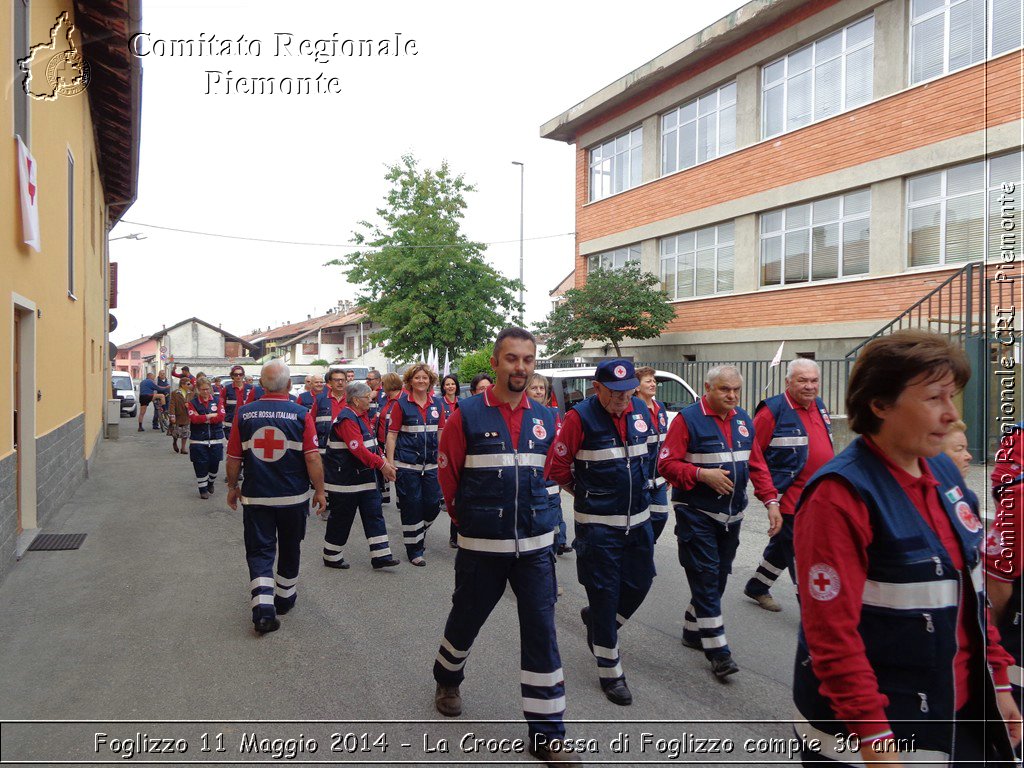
(124,390)
(572,385)
(298,384)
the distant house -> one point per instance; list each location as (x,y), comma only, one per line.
(131,356)
(340,335)
(201,346)
(556,294)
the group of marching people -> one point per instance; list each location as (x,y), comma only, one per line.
(896,644)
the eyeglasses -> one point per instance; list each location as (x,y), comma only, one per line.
(236,375)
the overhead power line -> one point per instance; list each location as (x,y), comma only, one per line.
(320,245)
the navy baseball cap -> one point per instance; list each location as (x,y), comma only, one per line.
(617,374)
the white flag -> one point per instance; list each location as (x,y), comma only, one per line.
(778,356)
(447,364)
(29,192)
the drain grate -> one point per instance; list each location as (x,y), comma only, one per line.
(49,542)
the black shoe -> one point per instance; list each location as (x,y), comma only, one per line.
(618,692)
(388,562)
(203,494)
(453,543)
(339,564)
(141,428)
(419,562)
(553,753)
(283,609)
(209,487)
(585,615)
(694,644)
(267,625)
(724,666)
(564,549)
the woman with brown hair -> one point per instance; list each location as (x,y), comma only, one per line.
(896,653)
(417,417)
(180,427)
(391,387)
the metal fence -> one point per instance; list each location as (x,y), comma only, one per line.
(760,380)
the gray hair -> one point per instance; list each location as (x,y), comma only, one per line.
(718,371)
(276,376)
(800,362)
(356,389)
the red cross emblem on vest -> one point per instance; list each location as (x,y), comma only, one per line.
(269,444)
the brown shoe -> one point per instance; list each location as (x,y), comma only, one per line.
(552,752)
(766,601)
(448,700)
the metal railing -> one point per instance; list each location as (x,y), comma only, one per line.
(956,308)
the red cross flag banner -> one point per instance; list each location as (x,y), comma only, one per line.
(29,192)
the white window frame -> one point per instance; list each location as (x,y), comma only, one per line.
(944,10)
(943,200)
(843,56)
(608,154)
(721,242)
(607,259)
(842,220)
(677,128)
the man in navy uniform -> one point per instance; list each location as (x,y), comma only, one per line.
(708,456)
(278,447)
(490,460)
(794,432)
(601,457)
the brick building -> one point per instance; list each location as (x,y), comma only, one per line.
(805,171)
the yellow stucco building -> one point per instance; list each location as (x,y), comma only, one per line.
(79,120)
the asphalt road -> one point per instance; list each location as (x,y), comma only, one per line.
(146,632)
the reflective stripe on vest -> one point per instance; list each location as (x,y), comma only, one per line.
(615,521)
(496,460)
(781,442)
(339,445)
(915,596)
(725,457)
(278,501)
(419,428)
(415,467)
(289,444)
(508,546)
(609,454)
(350,488)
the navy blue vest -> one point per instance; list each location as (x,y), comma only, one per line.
(502,500)
(655,441)
(910,604)
(707,448)
(416,445)
(271,432)
(305,399)
(323,417)
(206,433)
(788,450)
(376,400)
(448,407)
(231,404)
(343,472)
(611,477)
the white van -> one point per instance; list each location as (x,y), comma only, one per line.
(124,390)
(571,385)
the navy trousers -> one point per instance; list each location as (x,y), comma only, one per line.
(205,461)
(480,581)
(617,570)
(659,508)
(271,531)
(343,508)
(556,504)
(418,499)
(777,557)
(706,551)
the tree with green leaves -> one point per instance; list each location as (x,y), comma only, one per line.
(476,362)
(422,279)
(613,305)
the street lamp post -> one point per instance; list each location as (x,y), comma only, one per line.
(522,169)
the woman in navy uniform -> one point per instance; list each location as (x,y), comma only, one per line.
(206,449)
(417,417)
(896,652)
